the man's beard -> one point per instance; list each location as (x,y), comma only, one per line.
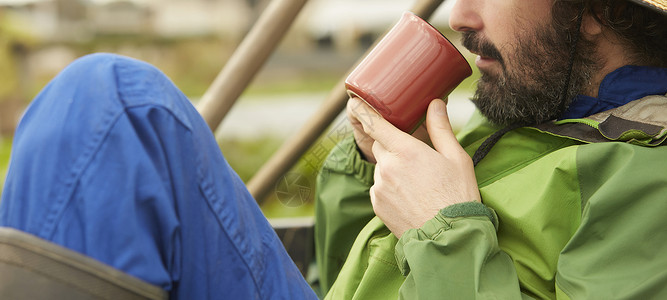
(530,88)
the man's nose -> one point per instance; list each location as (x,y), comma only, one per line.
(465,16)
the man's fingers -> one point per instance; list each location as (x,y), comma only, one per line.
(438,126)
(379,150)
(363,113)
(375,125)
(352,110)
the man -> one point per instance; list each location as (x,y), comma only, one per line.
(555,189)
(111,160)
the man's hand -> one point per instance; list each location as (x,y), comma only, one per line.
(412,180)
(361,114)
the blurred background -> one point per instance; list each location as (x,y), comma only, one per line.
(190,41)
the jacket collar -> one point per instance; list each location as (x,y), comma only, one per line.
(641,122)
(631,107)
(618,88)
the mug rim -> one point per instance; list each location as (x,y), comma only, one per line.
(432,28)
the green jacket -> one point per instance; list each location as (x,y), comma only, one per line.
(572,209)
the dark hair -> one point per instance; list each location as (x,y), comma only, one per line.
(642,29)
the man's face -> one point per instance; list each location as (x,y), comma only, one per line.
(522,57)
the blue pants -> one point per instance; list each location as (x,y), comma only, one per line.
(112,160)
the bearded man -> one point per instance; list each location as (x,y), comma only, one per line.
(554,189)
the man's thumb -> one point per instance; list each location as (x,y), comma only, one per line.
(438,126)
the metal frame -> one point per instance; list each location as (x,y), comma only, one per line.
(248,59)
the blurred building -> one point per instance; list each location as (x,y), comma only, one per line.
(228,18)
(120,17)
(345,23)
(334,22)
(67,20)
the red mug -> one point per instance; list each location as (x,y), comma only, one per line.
(412,65)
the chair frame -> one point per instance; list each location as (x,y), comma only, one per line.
(248,59)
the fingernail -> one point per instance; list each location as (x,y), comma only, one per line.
(440,107)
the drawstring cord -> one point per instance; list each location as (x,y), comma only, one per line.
(570,64)
(486,146)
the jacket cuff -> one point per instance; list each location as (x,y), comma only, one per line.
(439,224)
(345,158)
(469,209)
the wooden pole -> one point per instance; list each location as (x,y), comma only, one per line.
(247,60)
(290,152)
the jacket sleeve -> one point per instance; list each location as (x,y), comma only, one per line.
(456,255)
(617,251)
(342,208)
(466,234)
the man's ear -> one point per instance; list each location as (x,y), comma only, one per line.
(591,26)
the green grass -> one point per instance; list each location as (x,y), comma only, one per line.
(306,83)
(5,149)
(246,156)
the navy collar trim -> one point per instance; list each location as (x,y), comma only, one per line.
(618,88)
